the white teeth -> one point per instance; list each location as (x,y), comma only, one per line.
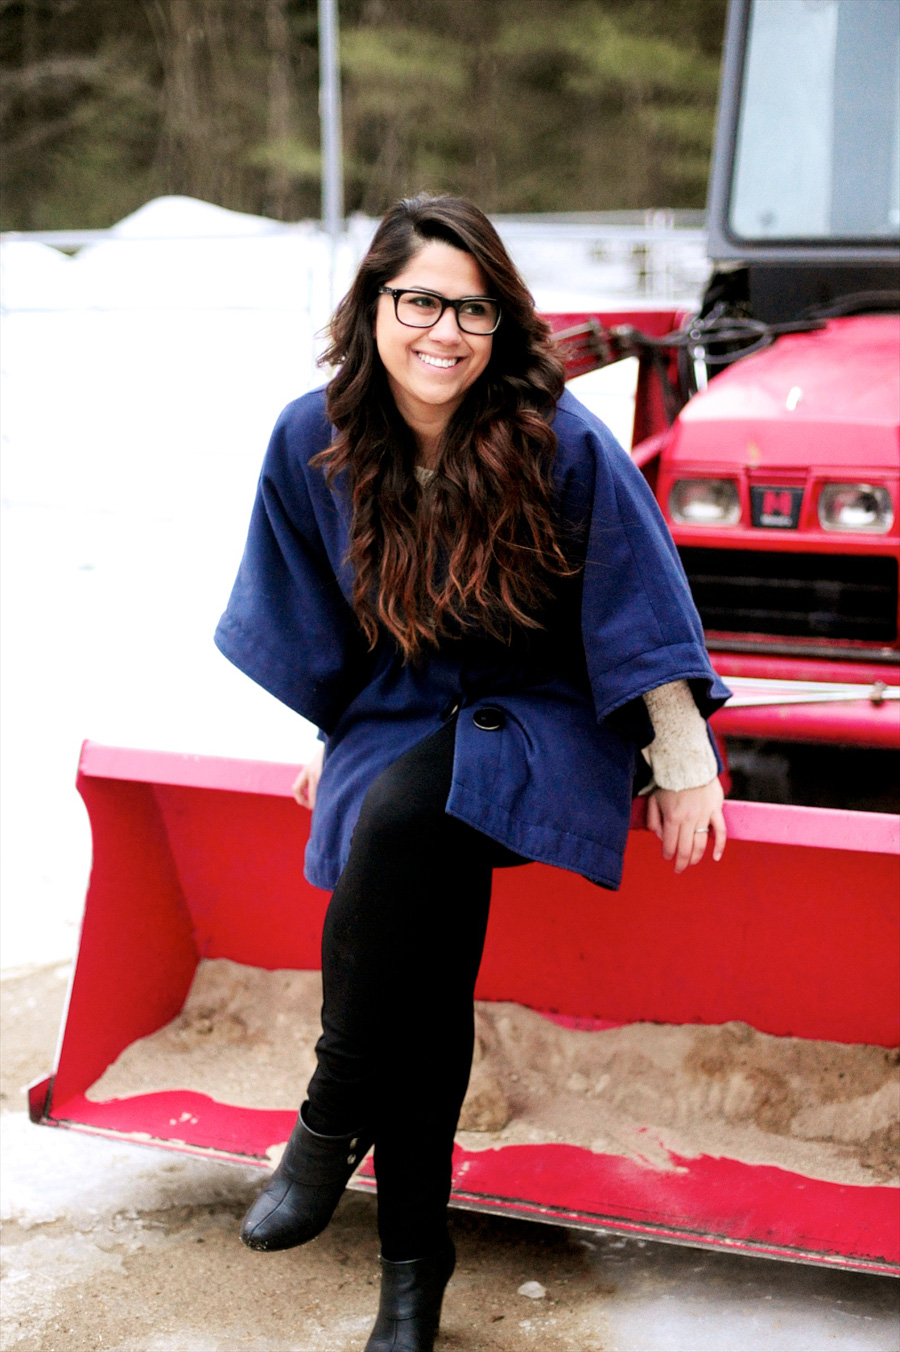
(443,362)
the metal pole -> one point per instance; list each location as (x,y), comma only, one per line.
(330,119)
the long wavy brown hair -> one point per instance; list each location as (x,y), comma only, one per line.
(478,548)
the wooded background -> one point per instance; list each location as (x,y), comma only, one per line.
(541,105)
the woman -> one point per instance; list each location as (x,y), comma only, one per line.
(455,572)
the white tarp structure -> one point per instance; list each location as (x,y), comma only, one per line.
(140,383)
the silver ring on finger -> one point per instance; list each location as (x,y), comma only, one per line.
(702,831)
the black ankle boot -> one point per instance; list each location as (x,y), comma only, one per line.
(300,1197)
(409,1312)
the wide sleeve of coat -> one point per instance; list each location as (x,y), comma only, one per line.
(640,627)
(287,624)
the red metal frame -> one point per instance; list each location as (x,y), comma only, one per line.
(859,723)
(741,429)
(198,857)
(649,408)
(862,722)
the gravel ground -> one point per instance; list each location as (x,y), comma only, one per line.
(128,1249)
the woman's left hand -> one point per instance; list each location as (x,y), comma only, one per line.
(684,819)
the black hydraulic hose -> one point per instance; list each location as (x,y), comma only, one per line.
(706,342)
(856,303)
(750,335)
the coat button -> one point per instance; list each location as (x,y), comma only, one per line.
(489,719)
(450,710)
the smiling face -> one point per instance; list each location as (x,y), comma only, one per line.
(430,370)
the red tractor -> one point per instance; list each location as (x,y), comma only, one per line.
(768,423)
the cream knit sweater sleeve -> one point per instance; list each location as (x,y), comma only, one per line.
(680,755)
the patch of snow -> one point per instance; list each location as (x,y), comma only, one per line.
(172,216)
(54,1174)
(670,1298)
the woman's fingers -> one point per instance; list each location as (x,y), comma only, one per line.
(695,845)
(654,820)
(306,784)
(685,819)
(300,787)
(671,836)
(690,847)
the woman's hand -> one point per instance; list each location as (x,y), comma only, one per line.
(307,782)
(684,819)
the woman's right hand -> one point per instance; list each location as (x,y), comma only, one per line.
(307,782)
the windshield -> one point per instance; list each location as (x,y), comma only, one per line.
(818,138)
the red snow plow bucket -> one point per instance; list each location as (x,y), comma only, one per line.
(765,988)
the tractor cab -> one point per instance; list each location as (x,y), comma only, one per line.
(804,199)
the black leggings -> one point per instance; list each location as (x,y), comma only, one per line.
(401,948)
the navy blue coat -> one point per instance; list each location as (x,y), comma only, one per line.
(555,781)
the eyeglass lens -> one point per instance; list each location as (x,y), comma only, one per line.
(420,310)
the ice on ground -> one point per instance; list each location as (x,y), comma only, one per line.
(714,1303)
(52,1174)
(74,1207)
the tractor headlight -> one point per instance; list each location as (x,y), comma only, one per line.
(860,507)
(705,502)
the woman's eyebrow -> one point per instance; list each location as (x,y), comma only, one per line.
(429,291)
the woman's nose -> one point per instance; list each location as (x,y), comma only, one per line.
(446,327)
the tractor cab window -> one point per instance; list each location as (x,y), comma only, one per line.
(817,155)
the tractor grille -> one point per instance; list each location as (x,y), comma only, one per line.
(811,596)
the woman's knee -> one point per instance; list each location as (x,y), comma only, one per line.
(409,796)
(396,810)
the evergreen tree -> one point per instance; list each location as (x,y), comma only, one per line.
(564,105)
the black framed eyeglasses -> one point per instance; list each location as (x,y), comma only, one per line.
(423,309)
